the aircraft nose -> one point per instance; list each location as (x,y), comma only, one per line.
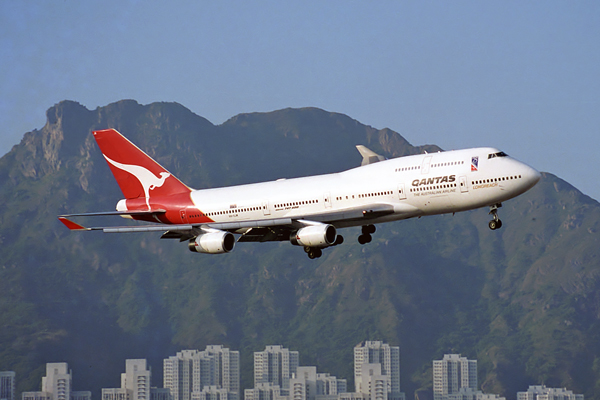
(532,176)
(535,175)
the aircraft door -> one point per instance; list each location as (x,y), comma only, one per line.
(183,215)
(265,207)
(327,199)
(425,166)
(463,184)
(401,192)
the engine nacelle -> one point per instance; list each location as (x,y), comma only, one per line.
(320,235)
(217,242)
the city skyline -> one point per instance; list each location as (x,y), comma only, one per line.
(194,375)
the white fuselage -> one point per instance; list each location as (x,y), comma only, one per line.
(425,184)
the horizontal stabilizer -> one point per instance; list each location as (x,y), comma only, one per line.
(121,229)
(72,225)
(121,213)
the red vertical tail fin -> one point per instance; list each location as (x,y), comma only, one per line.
(137,174)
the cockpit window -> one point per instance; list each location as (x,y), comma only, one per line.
(499,154)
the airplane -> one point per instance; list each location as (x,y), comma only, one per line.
(307,211)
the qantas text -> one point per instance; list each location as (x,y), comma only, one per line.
(434,181)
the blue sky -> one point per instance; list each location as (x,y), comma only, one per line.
(520,76)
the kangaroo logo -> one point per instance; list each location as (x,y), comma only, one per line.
(147,179)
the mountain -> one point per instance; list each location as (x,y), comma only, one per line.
(524,301)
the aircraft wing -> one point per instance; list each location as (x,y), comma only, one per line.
(273,229)
(181,231)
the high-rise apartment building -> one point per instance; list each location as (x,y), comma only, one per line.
(541,392)
(137,379)
(377,352)
(373,383)
(7,385)
(136,384)
(275,365)
(191,371)
(57,381)
(263,391)
(455,378)
(226,370)
(178,373)
(453,373)
(57,385)
(307,384)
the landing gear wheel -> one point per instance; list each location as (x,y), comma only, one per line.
(368,229)
(495,223)
(314,253)
(339,240)
(365,238)
(307,249)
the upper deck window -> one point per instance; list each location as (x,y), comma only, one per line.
(499,154)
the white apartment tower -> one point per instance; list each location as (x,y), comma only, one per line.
(453,373)
(178,373)
(135,383)
(275,365)
(57,381)
(263,391)
(541,392)
(56,385)
(226,371)
(307,384)
(373,383)
(7,385)
(136,379)
(377,352)
(189,372)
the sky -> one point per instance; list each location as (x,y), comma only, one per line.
(520,76)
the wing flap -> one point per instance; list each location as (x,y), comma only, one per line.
(230,226)
(353,214)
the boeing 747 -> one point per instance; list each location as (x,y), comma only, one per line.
(309,211)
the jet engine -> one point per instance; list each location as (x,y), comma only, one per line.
(320,235)
(216,242)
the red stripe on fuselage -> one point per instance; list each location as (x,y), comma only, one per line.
(174,205)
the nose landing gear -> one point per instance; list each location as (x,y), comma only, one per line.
(495,223)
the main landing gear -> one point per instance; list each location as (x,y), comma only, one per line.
(367,230)
(495,223)
(316,252)
(313,252)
